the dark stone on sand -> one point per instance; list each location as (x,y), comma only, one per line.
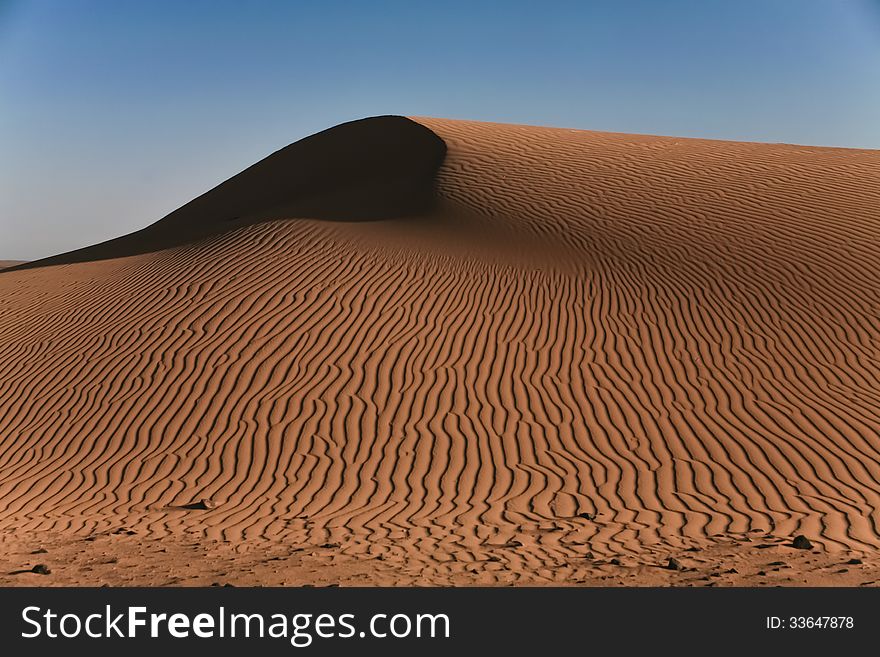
(41,569)
(40,551)
(589,555)
(731,571)
(615,562)
(854,562)
(801,542)
(587,516)
(761,573)
(674,564)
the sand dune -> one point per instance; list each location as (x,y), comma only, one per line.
(363,170)
(465,348)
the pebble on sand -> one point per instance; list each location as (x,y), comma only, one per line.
(801,542)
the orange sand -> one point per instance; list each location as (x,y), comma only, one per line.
(557,343)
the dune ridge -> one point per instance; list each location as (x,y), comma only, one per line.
(564,343)
(376,168)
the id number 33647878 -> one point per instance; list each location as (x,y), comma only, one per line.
(810,623)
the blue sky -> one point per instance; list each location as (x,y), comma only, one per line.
(115,112)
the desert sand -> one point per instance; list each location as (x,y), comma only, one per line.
(425,351)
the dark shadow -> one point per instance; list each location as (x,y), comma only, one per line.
(377,168)
(201,505)
(39,569)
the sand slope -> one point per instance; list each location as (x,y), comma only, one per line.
(581,343)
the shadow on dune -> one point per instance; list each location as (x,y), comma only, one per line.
(376,168)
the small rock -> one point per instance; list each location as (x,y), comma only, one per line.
(40,551)
(123,531)
(761,573)
(589,555)
(674,564)
(854,562)
(731,571)
(587,516)
(615,562)
(328,546)
(41,569)
(801,542)
(777,563)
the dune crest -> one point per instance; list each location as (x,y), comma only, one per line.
(376,168)
(576,343)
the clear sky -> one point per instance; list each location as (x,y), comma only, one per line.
(115,112)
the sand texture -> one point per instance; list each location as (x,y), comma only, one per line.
(447,352)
